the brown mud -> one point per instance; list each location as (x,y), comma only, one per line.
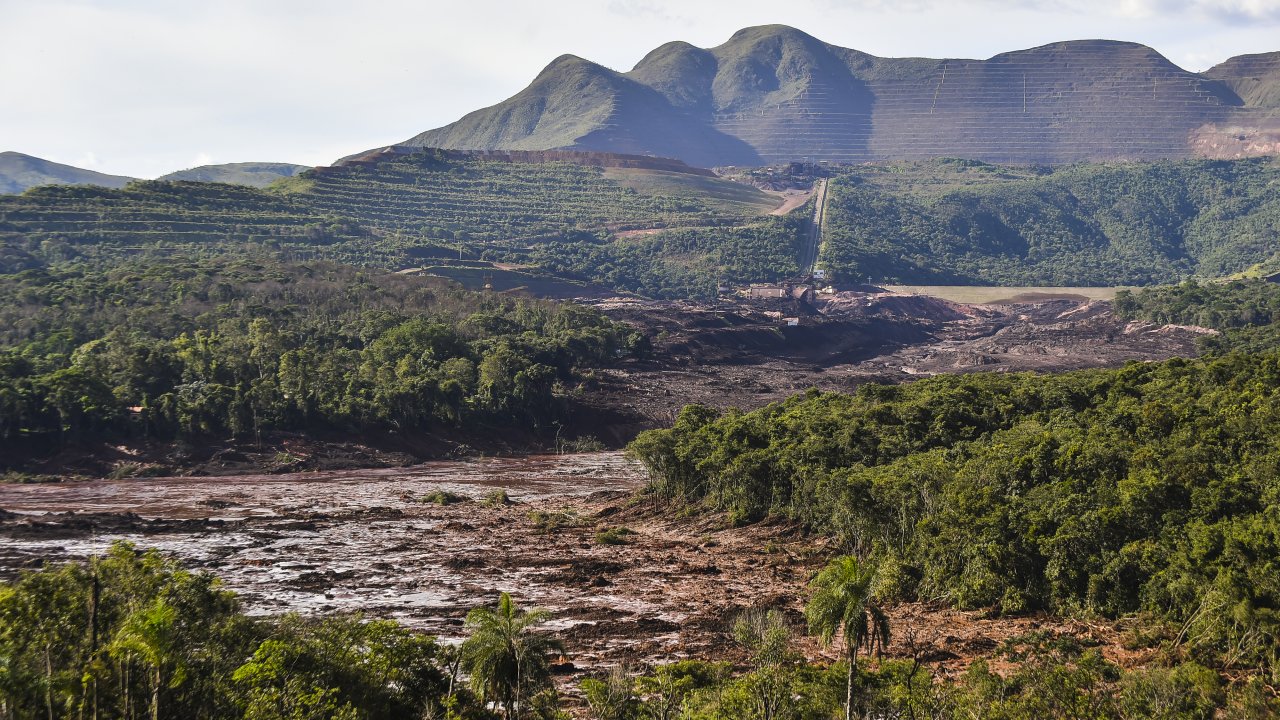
(747,354)
(374,542)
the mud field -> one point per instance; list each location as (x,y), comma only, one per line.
(372,541)
(746,355)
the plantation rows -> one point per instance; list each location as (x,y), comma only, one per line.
(363,212)
(493,201)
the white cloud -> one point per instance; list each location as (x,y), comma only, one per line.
(88,160)
(1243,11)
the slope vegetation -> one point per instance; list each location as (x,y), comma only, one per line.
(962,222)
(667,232)
(253,174)
(394,211)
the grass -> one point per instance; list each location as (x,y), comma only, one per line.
(496,498)
(443,497)
(14,477)
(547,521)
(989,295)
(614,536)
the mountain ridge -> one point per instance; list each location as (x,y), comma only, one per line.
(773,93)
(19,171)
(252,174)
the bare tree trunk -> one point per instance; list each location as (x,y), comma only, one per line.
(848,691)
(94,598)
(128,711)
(48,680)
(517,708)
(155,695)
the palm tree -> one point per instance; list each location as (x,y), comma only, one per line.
(504,656)
(844,602)
(150,635)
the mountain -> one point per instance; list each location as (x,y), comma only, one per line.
(19,172)
(253,174)
(773,94)
(578,104)
(1254,78)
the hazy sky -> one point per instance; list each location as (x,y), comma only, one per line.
(144,87)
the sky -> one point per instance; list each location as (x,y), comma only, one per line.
(145,87)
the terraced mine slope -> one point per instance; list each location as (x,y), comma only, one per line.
(394,210)
(558,223)
(775,94)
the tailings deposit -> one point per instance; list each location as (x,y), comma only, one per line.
(425,544)
(625,579)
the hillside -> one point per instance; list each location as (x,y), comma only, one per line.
(19,172)
(669,232)
(775,94)
(1254,78)
(395,211)
(968,223)
(253,174)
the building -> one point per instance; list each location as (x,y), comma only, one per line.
(767,291)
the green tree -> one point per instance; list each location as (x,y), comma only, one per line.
(508,660)
(614,697)
(670,686)
(843,603)
(150,634)
(766,636)
(277,687)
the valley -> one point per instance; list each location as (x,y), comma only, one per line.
(768,381)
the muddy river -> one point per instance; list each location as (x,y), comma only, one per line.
(372,541)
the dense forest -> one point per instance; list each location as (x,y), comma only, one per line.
(242,345)
(969,223)
(1149,489)
(132,634)
(1246,313)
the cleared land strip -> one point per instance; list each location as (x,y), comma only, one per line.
(983,295)
(810,258)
